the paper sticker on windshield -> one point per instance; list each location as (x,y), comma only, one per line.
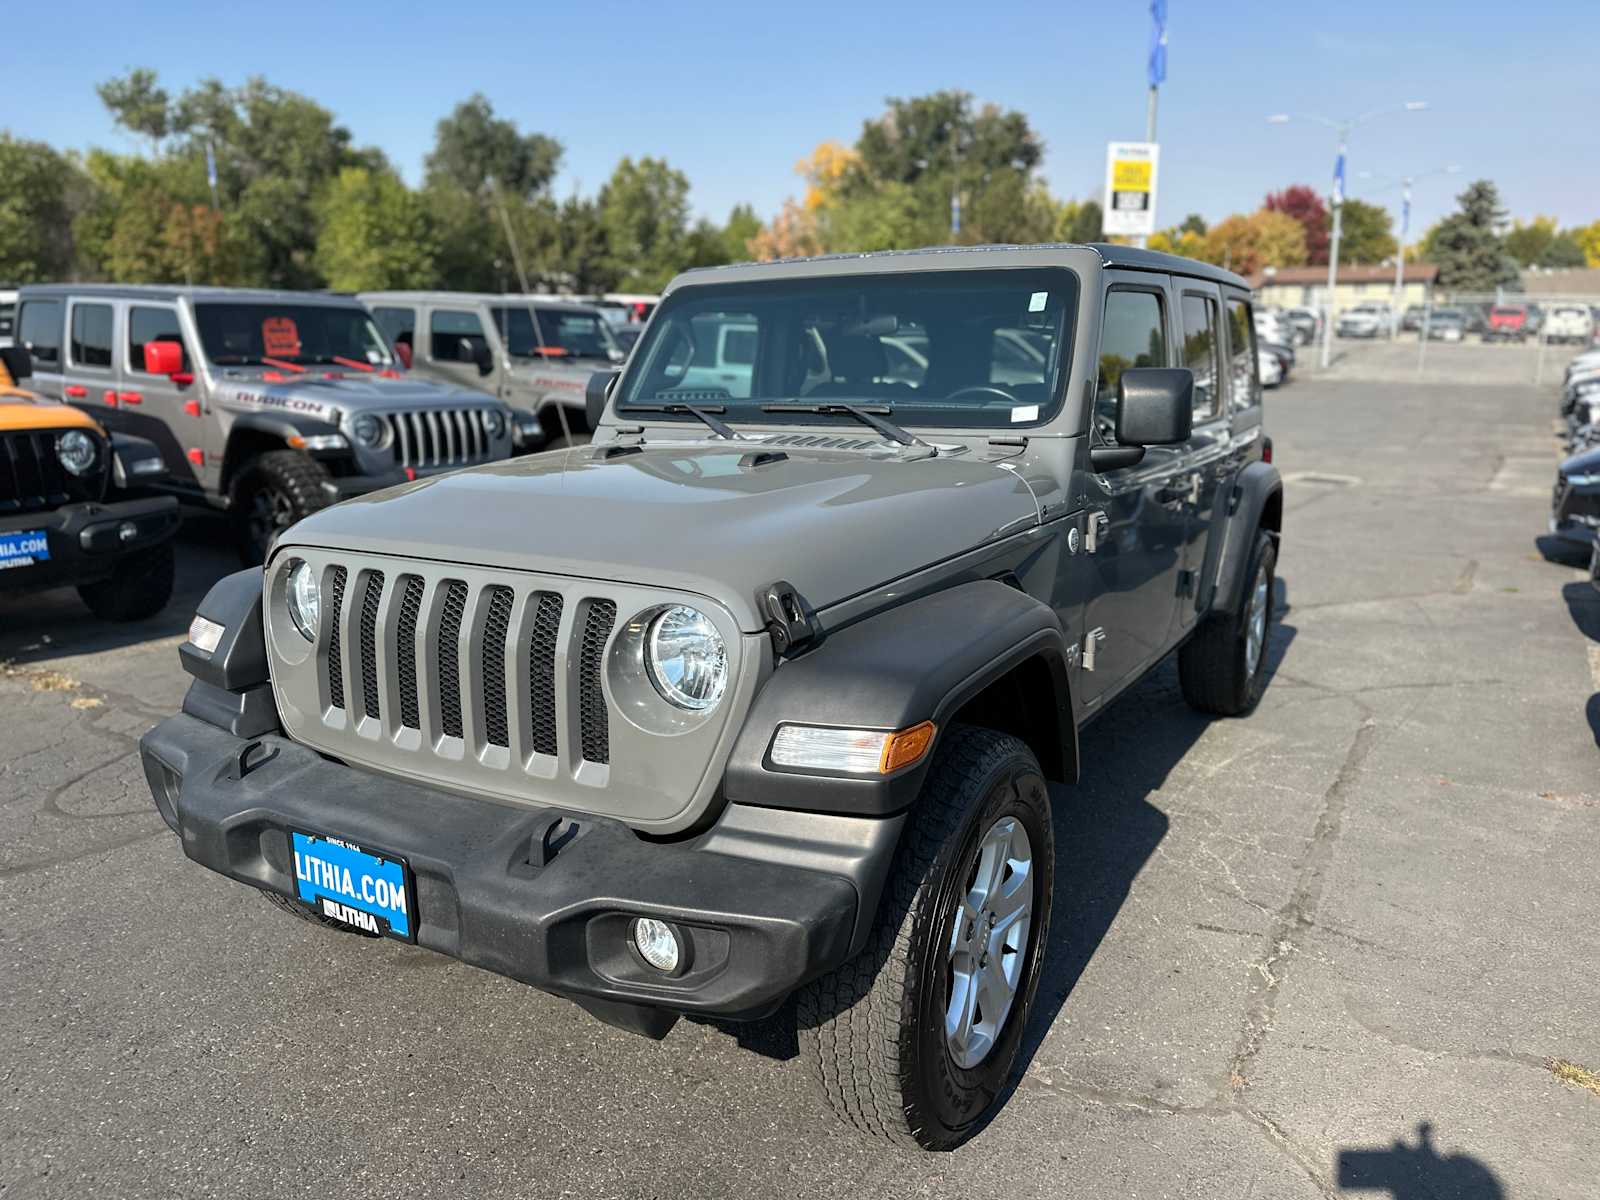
(280,337)
(1025,412)
(1036,302)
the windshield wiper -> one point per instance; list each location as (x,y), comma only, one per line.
(704,412)
(867,414)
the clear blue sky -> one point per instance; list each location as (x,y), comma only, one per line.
(734,94)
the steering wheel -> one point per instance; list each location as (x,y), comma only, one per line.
(983,389)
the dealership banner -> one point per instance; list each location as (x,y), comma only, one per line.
(1131,188)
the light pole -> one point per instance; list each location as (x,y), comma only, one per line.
(1343,129)
(1405,222)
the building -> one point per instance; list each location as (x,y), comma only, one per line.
(1305,287)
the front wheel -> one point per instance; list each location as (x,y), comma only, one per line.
(271,494)
(139,586)
(913,1040)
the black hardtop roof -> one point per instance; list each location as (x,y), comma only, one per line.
(1041,254)
(172,292)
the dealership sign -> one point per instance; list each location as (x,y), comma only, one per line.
(1131,188)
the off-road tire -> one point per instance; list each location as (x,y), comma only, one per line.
(1212,666)
(295,484)
(310,916)
(139,586)
(873,1029)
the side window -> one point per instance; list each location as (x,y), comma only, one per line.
(1246,374)
(1201,353)
(455,335)
(39,329)
(152,325)
(399,325)
(739,345)
(91,335)
(1133,334)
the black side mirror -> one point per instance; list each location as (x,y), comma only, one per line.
(595,394)
(483,356)
(1155,407)
(19,363)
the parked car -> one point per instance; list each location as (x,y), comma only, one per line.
(1365,321)
(1271,368)
(1508,322)
(1575,502)
(534,353)
(1569,323)
(1447,325)
(1411,319)
(776,713)
(67,516)
(1307,325)
(266,405)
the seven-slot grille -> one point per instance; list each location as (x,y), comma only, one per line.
(439,437)
(32,477)
(475,663)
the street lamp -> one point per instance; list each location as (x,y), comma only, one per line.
(1405,219)
(1343,129)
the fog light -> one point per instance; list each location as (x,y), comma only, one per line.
(657,944)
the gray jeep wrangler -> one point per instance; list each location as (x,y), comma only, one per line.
(268,405)
(760,695)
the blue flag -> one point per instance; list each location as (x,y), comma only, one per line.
(1158,43)
(211,165)
(1338,179)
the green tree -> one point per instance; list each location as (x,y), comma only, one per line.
(1365,236)
(42,189)
(1194,223)
(742,227)
(1468,246)
(373,233)
(644,210)
(150,222)
(473,149)
(1079,221)
(583,256)
(1565,251)
(139,105)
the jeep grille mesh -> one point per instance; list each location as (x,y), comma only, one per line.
(542,673)
(406,635)
(335,663)
(455,605)
(591,696)
(492,666)
(369,646)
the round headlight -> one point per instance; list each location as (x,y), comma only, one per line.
(75,449)
(688,662)
(494,422)
(304,598)
(368,430)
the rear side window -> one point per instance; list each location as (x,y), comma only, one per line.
(455,335)
(1133,334)
(1246,373)
(1201,352)
(152,325)
(8,319)
(39,329)
(399,325)
(91,335)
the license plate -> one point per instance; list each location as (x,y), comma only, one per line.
(24,548)
(363,888)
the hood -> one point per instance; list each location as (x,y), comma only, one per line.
(21,409)
(693,517)
(326,394)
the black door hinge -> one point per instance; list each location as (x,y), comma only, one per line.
(790,620)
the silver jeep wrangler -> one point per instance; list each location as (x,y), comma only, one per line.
(269,405)
(758,695)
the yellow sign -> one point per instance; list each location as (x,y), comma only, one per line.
(1131,171)
(1131,176)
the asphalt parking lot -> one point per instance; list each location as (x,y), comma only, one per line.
(1347,943)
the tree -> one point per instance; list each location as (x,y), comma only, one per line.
(1194,223)
(644,210)
(1587,239)
(1305,205)
(1079,221)
(1527,243)
(1467,244)
(42,189)
(139,105)
(742,227)
(1246,244)
(373,233)
(1364,234)
(1565,252)
(472,149)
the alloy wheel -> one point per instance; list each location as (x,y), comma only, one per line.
(989,942)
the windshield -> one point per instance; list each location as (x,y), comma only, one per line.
(235,334)
(560,333)
(958,348)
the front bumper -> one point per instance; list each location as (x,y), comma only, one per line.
(766,899)
(87,540)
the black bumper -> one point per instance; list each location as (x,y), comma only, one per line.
(766,900)
(87,540)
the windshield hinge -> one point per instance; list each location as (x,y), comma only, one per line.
(790,620)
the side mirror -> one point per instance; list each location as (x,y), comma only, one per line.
(402,351)
(1155,407)
(595,394)
(18,362)
(163,358)
(483,356)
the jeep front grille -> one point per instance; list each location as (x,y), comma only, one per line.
(32,478)
(440,437)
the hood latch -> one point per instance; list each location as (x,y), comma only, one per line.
(791,622)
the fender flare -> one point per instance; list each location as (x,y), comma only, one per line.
(232,688)
(1254,502)
(918,662)
(279,426)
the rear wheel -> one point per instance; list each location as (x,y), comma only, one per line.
(139,586)
(1223,667)
(270,494)
(913,1040)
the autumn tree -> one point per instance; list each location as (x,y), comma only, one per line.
(1246,244)
(1305,205)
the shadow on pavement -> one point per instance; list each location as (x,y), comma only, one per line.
(40,627)
(1418,1172)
